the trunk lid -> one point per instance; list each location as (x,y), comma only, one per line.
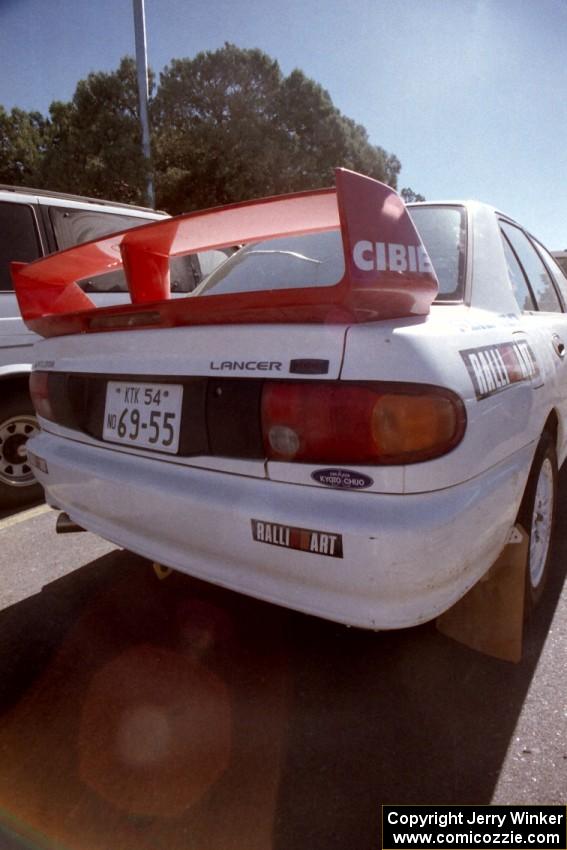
(251,351)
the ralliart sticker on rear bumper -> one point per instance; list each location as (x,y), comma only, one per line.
(302,539)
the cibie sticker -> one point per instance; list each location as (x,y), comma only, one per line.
(383,257)
(302,539)
(342,479)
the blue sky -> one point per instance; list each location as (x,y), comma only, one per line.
(471,95)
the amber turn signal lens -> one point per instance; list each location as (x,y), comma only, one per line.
(408,424)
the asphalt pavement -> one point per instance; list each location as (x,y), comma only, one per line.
(145,713)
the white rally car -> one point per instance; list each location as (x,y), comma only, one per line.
(346,418)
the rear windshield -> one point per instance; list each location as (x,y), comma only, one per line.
(295,261)
(317,259)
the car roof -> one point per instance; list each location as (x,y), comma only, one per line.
(457,202)
(65,196)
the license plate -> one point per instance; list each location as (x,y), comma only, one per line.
(143,415)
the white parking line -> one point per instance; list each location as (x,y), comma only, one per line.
(24,516)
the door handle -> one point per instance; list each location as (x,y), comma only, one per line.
(558,345)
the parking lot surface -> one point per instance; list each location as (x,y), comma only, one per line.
(145,713)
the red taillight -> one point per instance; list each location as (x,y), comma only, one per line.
(323,422)
(39,392)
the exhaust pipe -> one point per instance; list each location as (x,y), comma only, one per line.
(65,525)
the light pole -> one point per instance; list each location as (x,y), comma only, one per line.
(142,71)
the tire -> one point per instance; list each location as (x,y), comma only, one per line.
(537,516)
(18,485)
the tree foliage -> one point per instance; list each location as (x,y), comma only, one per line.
(21,146)
(94,141)
(410,196)
(215,130)
(227,125)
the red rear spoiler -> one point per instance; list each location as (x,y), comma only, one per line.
(388,273)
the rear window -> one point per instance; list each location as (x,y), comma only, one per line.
(317,259)
(74,226)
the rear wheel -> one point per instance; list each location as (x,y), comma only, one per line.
(537,516)
(18,485)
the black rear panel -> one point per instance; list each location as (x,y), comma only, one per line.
(219,416)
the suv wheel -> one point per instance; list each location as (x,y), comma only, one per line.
(18,485)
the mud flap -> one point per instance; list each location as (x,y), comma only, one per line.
(490,617)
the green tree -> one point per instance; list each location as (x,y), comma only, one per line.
(317,137)
(410,196)
(94,141)
(229,126)
(22,145)
(215,129)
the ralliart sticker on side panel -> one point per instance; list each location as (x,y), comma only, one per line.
(302,539)
(492,368)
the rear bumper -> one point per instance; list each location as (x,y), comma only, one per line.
(405,558)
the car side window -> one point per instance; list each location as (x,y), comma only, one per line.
(19,239)
(518,279)
(558,273)
(443,230)
(534,268)
(561,260)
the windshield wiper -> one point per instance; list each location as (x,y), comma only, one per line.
(286,254)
